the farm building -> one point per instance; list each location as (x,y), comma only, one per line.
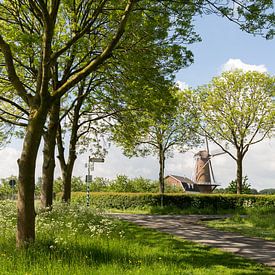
(188,185)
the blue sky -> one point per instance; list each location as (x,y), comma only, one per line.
(221,41)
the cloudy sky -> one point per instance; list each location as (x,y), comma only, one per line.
(224,47)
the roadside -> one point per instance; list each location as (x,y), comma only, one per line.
(188,227)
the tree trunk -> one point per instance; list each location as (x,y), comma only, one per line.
(239,172)
(67,182)
(161,169)
(49,157)
(26,179)
(66,168)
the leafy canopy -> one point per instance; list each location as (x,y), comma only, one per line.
(237,108)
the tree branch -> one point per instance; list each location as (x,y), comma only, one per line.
(13,77)
(106,53)
(15,105)
(79,34)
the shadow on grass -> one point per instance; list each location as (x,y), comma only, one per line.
(139,247)
(166,210)
(198,256)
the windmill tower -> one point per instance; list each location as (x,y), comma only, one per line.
(204,174)
(202,171)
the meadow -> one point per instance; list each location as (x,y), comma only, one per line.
(80,240)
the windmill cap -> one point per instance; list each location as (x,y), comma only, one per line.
(202,154)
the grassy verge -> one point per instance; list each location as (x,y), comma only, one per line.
(177,211)
(76,240)
(259,222)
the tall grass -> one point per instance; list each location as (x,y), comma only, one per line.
(78,240)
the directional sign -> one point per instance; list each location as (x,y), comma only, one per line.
(89,178)
(12,183)
(96,159)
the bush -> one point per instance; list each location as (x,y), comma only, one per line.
(212,202)
(246,187)
(137,185)
(6,190)
(124,184)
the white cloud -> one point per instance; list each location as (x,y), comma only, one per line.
(117,164)
(259,165)
(182,85)
(233,64)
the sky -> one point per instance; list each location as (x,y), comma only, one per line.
(223,47)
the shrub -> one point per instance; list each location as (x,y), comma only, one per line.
(6,190)
(182,201)
(246,187)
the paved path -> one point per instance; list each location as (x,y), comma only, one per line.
(187,227)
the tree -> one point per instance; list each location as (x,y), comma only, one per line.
(161,128)
(268,191)
(246,186)
(237,108)
(40,39)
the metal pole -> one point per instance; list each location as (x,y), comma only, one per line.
(88,184)
(90,166)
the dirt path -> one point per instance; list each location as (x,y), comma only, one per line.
(187,227)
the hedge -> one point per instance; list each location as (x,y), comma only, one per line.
(197,201)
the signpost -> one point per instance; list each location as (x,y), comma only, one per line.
(96,159)
(89,178)
(12,184)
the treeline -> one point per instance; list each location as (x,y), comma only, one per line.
(121,183)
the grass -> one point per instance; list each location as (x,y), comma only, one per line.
(259,222)
(78,240)
(176,211)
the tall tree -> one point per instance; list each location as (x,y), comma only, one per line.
(82,129)
(164,125)
(237,108)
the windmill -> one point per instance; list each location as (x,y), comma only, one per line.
(204,174)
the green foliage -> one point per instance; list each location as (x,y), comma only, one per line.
(164,124)
(219,191)
(123,184)
(77,185)
(237,105)
(246,187)
(236,109)
(99,185)
(6,191)
(213,202)
(269,191)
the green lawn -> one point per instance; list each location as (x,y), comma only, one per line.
(76,240)
(259,222)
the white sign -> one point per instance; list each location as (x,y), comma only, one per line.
(89,178)
(96,159)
